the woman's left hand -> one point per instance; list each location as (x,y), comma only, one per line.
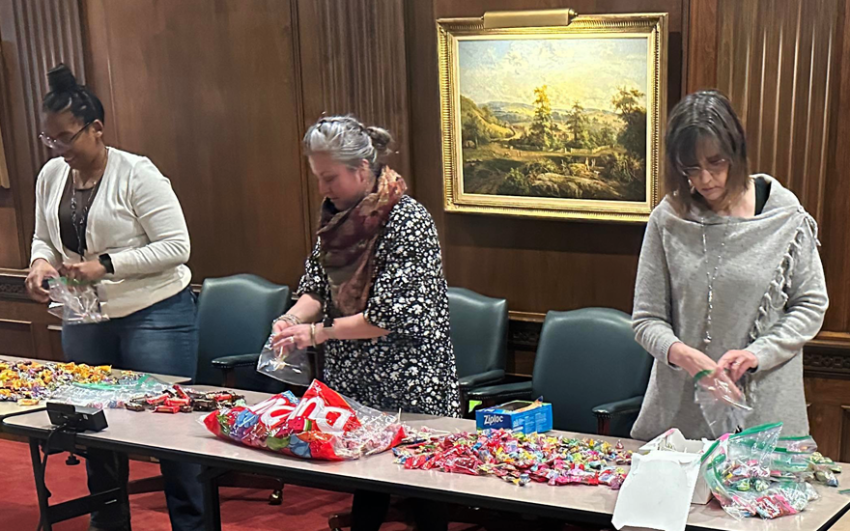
(88,271)
(293,338)
(738,362)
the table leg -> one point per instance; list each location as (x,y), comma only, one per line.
(41,490)
(212,508)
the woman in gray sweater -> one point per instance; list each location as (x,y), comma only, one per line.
(729,277)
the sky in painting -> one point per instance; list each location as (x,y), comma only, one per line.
(585,70)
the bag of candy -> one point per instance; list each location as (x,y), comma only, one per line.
(75,302)
(722,403)
(738,472)
(321,425)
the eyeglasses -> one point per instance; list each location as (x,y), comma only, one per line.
(714,167)
(62,145)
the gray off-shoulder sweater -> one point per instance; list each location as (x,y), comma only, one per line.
(769,298)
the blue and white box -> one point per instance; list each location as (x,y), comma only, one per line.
(519,416)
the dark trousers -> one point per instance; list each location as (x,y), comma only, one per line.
(370,509)
(162,338)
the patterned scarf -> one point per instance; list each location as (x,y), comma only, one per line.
(348,238)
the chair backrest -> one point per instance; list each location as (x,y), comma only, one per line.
(235,316)
(479,330)
(587,358)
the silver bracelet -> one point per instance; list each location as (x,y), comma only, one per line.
(289,318)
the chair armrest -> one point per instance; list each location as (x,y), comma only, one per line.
(620,407)
(238,360)
(502,393)
(483,378)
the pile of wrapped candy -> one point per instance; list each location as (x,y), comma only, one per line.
(757,473)
(179,400)
(146,393)
(321,425)
(520,459)
(29,381)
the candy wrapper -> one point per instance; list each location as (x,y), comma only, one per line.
(75,302)
(738,471)
(293,368)
(519,458)
(321,425)
(722,403)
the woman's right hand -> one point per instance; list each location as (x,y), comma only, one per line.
(694,362)
(40,270)
(690,359)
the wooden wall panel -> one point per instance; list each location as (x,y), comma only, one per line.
(209,92)
(17,338)
(353,61)
(537,265)
(36,35)
(829,415)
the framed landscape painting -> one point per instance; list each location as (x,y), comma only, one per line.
(558,121)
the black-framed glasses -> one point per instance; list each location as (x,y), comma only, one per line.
(714,167)
(62,145)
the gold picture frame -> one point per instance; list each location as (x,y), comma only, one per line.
(511,142)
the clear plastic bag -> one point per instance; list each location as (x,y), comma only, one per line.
(75,302)
(106,396)
(738,472)
(722,403)
(293,368)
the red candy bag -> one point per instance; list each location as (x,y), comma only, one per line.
(322,425)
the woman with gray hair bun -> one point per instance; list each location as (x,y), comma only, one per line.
(729,279)
(374,294)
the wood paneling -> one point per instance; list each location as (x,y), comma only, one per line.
(17,338)
(353,61)
(702,45)
(829,416)
(537,265)
(36,35)
(208,91)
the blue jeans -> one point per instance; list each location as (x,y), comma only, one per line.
(161,338)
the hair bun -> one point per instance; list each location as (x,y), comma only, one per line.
(61,79)
(381,139)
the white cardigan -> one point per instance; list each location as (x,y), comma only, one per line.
(135,217)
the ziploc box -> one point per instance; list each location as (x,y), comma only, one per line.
(673,441)
(519,415)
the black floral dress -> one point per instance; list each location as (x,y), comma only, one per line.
(412,368)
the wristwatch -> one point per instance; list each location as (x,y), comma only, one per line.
(106,261)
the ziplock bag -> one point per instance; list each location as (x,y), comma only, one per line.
(293,367)
(111,395)
(75,302)
(738,472)
(723,405)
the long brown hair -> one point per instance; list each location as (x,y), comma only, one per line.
(704,115)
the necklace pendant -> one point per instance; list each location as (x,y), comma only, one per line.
(707,340)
